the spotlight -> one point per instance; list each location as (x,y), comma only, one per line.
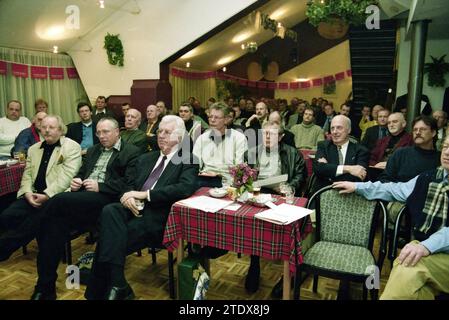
(55,49)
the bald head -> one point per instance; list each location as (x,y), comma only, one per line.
(340,129)
(132,119)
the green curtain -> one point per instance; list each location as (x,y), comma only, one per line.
(182,89)
(62,95)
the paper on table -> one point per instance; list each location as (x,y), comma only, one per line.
(271,181)
(233,207)
(205,203)
(284,214)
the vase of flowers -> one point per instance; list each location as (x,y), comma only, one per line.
(243,177)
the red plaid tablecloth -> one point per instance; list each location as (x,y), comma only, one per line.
(237,231)
(10,178)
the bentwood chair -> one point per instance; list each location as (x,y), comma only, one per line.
(345,230)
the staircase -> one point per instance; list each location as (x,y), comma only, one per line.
(372,62)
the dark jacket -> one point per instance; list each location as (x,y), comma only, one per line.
(379,150)
(177,181)
(97,117)
(371,137)
(292,163)
(75,132)
(120,171)
(26,138)
(326,172)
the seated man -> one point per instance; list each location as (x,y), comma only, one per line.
(218,148)
(150,126)
(377,132)
(132,134)
(51,165)
(164,177)
(288,137)
(83,131)
(193,127)
(339,159)
(441,118)
(109,167)
(10,127)
(406,163)
(273,158)
(307,134)
(29,136)
(396,139)
(421,194)
(255,122)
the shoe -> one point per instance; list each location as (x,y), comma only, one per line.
(38,295)
(117,293)
(252,279)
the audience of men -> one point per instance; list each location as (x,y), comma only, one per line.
(329,114)
(255,122)
(377,132)
(29,136)
(339,159)
(307,134)
(10,127)
(83,131)
(132,134)
(51,165)
(420,270)
(159,182)
(297,116)
(287,136)
(441,118)
(107,170)
(406,163)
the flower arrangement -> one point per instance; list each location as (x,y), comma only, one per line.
(350,11)
(243,177)
(114,49)
(436,71)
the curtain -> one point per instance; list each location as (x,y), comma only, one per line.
(62,95)
(182,89)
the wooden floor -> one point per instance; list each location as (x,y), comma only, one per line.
(18,277)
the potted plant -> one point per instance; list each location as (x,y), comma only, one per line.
(333,17)
(114,49)
(436,71)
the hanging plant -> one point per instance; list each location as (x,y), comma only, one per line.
(114,49)
(436,71)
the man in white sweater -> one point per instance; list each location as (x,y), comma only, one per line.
(10,127)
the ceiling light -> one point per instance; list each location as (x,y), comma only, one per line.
(54,32)
(101,4)
(243,46)
(224,69)
(188,64)
(279,13)
(302,79)
(55,49)
(279,24)
(242,36)
(190,54)
(225,60)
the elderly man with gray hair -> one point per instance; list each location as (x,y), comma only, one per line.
(164,177)
(132,134)
(339,159)
(50,166)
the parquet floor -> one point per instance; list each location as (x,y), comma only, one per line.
(150,282)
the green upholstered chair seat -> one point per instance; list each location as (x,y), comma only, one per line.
(337,257)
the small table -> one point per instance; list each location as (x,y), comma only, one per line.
(10,178)
(237,231)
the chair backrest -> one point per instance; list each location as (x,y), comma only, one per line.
(344,218)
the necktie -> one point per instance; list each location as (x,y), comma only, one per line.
(383,133)
(340,156)
(152,178)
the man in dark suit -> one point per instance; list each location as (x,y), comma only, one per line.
(339,159)
(401,105)
(101,109)
(377,132)
(109,167)
(164,177)
(83,132)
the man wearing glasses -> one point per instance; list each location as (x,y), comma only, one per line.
(218,148)
(109,167)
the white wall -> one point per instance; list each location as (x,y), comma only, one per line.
(161,29)
(436,48)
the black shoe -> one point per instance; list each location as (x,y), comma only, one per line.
(278,289)
(252,279)
(38,295)
(124,293)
